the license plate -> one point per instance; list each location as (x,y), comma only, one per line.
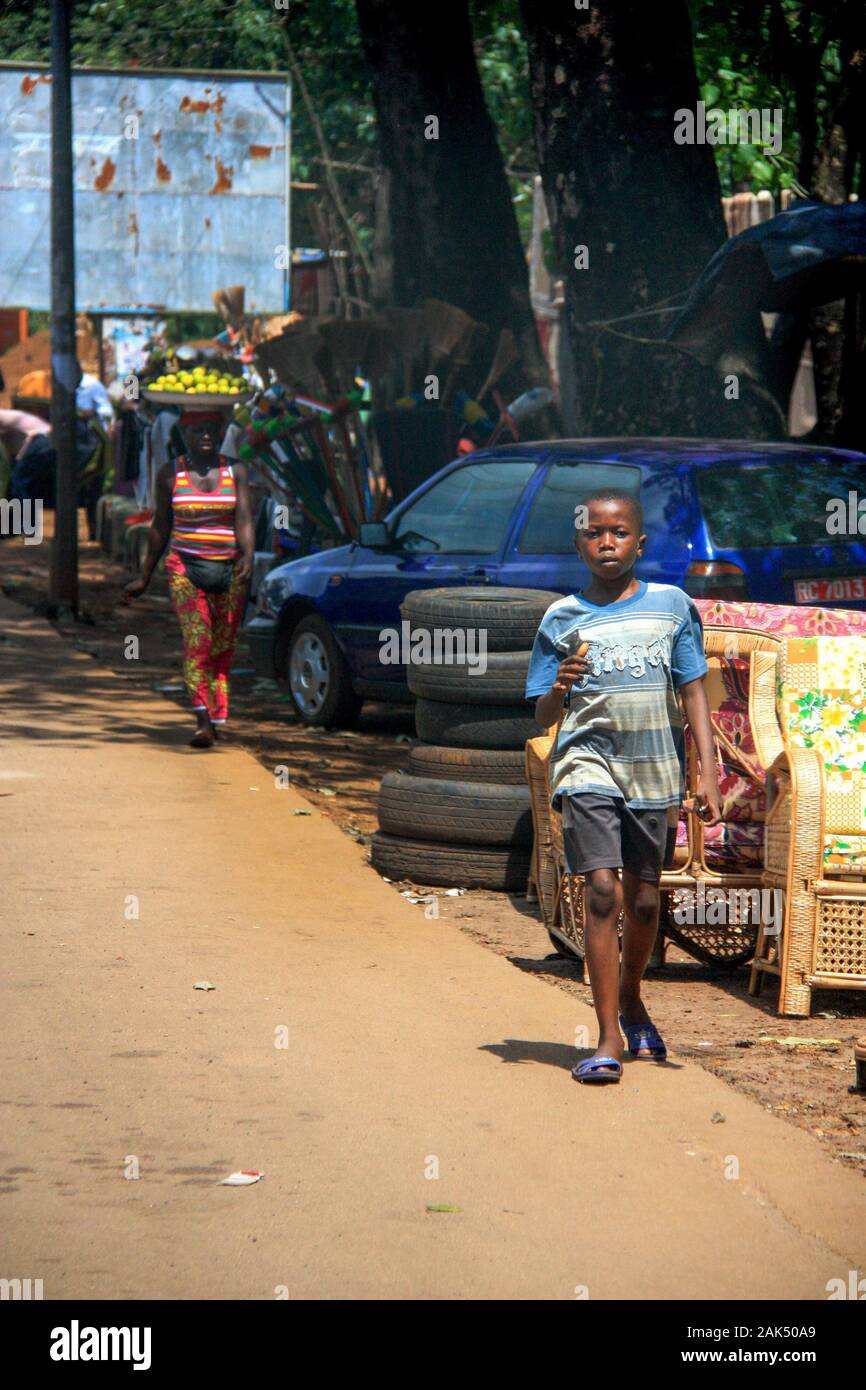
(828,590)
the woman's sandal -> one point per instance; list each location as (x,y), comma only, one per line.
(644,1041)
(598,1070)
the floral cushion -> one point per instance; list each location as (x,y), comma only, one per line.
(822,705)
(729,845)
(734,844)
(781,619)
(741,777)
(845,854)
(738,841)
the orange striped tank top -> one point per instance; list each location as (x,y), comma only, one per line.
(204,522)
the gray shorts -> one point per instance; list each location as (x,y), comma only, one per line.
(601,832)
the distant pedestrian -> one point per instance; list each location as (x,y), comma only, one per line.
(19,431)
(203,510)
(27,464)
(92,398)
(616,654)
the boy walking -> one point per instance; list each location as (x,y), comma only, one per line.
(617,769)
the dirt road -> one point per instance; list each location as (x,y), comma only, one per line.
(410,1050)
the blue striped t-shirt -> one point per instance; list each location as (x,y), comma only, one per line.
(621,734)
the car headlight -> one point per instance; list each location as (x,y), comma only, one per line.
(271,598)
(265,604)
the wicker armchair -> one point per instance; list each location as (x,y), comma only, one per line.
(711,858)
(814,850)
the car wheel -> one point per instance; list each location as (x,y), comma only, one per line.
(318,678)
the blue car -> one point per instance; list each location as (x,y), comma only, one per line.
(777,523)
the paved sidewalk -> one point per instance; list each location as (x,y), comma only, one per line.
(408,1046)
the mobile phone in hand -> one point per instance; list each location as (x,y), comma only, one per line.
(575,645)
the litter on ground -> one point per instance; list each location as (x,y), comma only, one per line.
(242,1179)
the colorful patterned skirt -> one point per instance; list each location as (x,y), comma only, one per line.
(209,625)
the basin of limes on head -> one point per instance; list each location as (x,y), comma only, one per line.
(200,381)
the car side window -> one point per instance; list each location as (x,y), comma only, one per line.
(549,528)
(467,511)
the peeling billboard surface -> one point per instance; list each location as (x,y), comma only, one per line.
(180,187)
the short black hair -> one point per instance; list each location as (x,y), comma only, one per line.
(616,494)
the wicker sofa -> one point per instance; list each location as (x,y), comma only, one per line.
(744,644)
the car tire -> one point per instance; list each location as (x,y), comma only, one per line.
(504,766)
(501,683)
(317,678)
(474,726)
(470,813)
(452,866)
(509,617)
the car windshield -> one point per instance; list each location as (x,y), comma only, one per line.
(549,529)
(789,501)
(467,511)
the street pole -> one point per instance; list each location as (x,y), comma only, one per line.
(65,373)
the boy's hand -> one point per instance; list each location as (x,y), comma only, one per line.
(549,707)
(707,800)
(571,670)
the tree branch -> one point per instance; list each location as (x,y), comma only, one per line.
(326,161)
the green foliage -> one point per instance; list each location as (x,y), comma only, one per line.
(740,66)
(503,64)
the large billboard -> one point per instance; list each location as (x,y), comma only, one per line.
(181,186)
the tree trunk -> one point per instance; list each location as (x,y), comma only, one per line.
(453,231)
(606,84)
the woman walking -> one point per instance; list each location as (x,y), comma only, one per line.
(203,509)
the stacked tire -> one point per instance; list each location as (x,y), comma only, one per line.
(460,815)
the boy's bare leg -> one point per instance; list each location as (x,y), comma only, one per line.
(602,900)
(640,926)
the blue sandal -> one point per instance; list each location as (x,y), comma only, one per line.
(591,1070)
(644,1041)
